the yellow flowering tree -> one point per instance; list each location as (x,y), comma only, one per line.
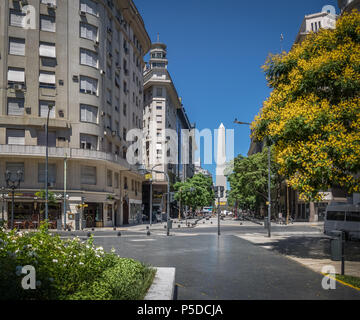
(313,114)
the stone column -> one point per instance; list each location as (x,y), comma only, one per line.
(313,214)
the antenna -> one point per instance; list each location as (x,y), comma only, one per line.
(158,37)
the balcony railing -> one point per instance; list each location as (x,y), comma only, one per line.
(61,153)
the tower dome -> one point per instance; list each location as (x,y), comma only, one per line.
(158,53)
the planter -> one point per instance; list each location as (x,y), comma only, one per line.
(163,287)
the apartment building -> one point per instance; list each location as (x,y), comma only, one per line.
(348,5)
(80,62)
(168,143)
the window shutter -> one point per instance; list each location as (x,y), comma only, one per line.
(44,107)
(16,75)
(47,77)
(17,18)
(48,23)
(17,46)
(47,50)
(15,137)
(15,107)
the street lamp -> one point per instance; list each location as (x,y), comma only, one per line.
(50,107)
(269,180)
(13,184)
(2,203)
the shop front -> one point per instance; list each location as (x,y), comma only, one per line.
(29,211)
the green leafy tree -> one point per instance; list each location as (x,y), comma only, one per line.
(249,181)
(195,192)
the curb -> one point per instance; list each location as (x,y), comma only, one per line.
(163,287)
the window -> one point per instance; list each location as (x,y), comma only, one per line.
(109,178)
(14,168)
(16,75)
(159,119)
(88,175)
(88,113)
(88,142)
(124,134)
(89,6)
(47,50)
(125,183)
(47,23)
(158,107)
(87,31)
(89,58)
(41,138)
(15,107)
(88,85)
(353,216)
(44,109)
(49,2)
(159,92)
(17,46)
(51,173)
(17,18)
(15,137)
(116,180)
(124,110)
(47,79)
(336,215)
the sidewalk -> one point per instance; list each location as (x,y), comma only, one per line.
(311,249)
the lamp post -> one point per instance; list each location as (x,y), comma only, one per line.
(269,179)
(2,203)
(13,184)
(50,107)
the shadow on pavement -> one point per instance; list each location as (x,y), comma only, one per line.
(312,248)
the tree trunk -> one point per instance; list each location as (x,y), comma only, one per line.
(313,215)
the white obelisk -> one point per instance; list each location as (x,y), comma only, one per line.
(221,161)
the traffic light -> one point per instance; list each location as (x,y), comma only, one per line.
(222,189)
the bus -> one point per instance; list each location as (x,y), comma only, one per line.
(208,210)
(343,217)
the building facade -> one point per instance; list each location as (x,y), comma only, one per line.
(348,5)
(84,60)
(168,141)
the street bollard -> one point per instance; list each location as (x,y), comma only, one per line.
(337,245)
(148,233)
(119,234)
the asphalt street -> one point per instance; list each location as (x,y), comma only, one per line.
(226,267)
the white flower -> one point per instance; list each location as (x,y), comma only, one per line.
(81,263)
(113,250)
(55,261)
(97,256)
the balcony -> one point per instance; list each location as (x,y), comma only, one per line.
(61,153)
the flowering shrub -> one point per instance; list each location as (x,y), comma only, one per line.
(67,269)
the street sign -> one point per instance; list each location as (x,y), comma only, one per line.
(148,176)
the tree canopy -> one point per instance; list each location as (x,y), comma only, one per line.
(313,113)
(195,192)
(249,181)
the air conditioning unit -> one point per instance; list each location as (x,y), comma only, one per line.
(51,6)
(82,13)
(75,78)
(19,87)
(102,72)
(102,113)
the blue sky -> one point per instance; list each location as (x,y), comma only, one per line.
(216,50)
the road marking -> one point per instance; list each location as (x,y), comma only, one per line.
(342,282)
(142,240)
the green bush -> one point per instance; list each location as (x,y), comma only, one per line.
(67,269)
